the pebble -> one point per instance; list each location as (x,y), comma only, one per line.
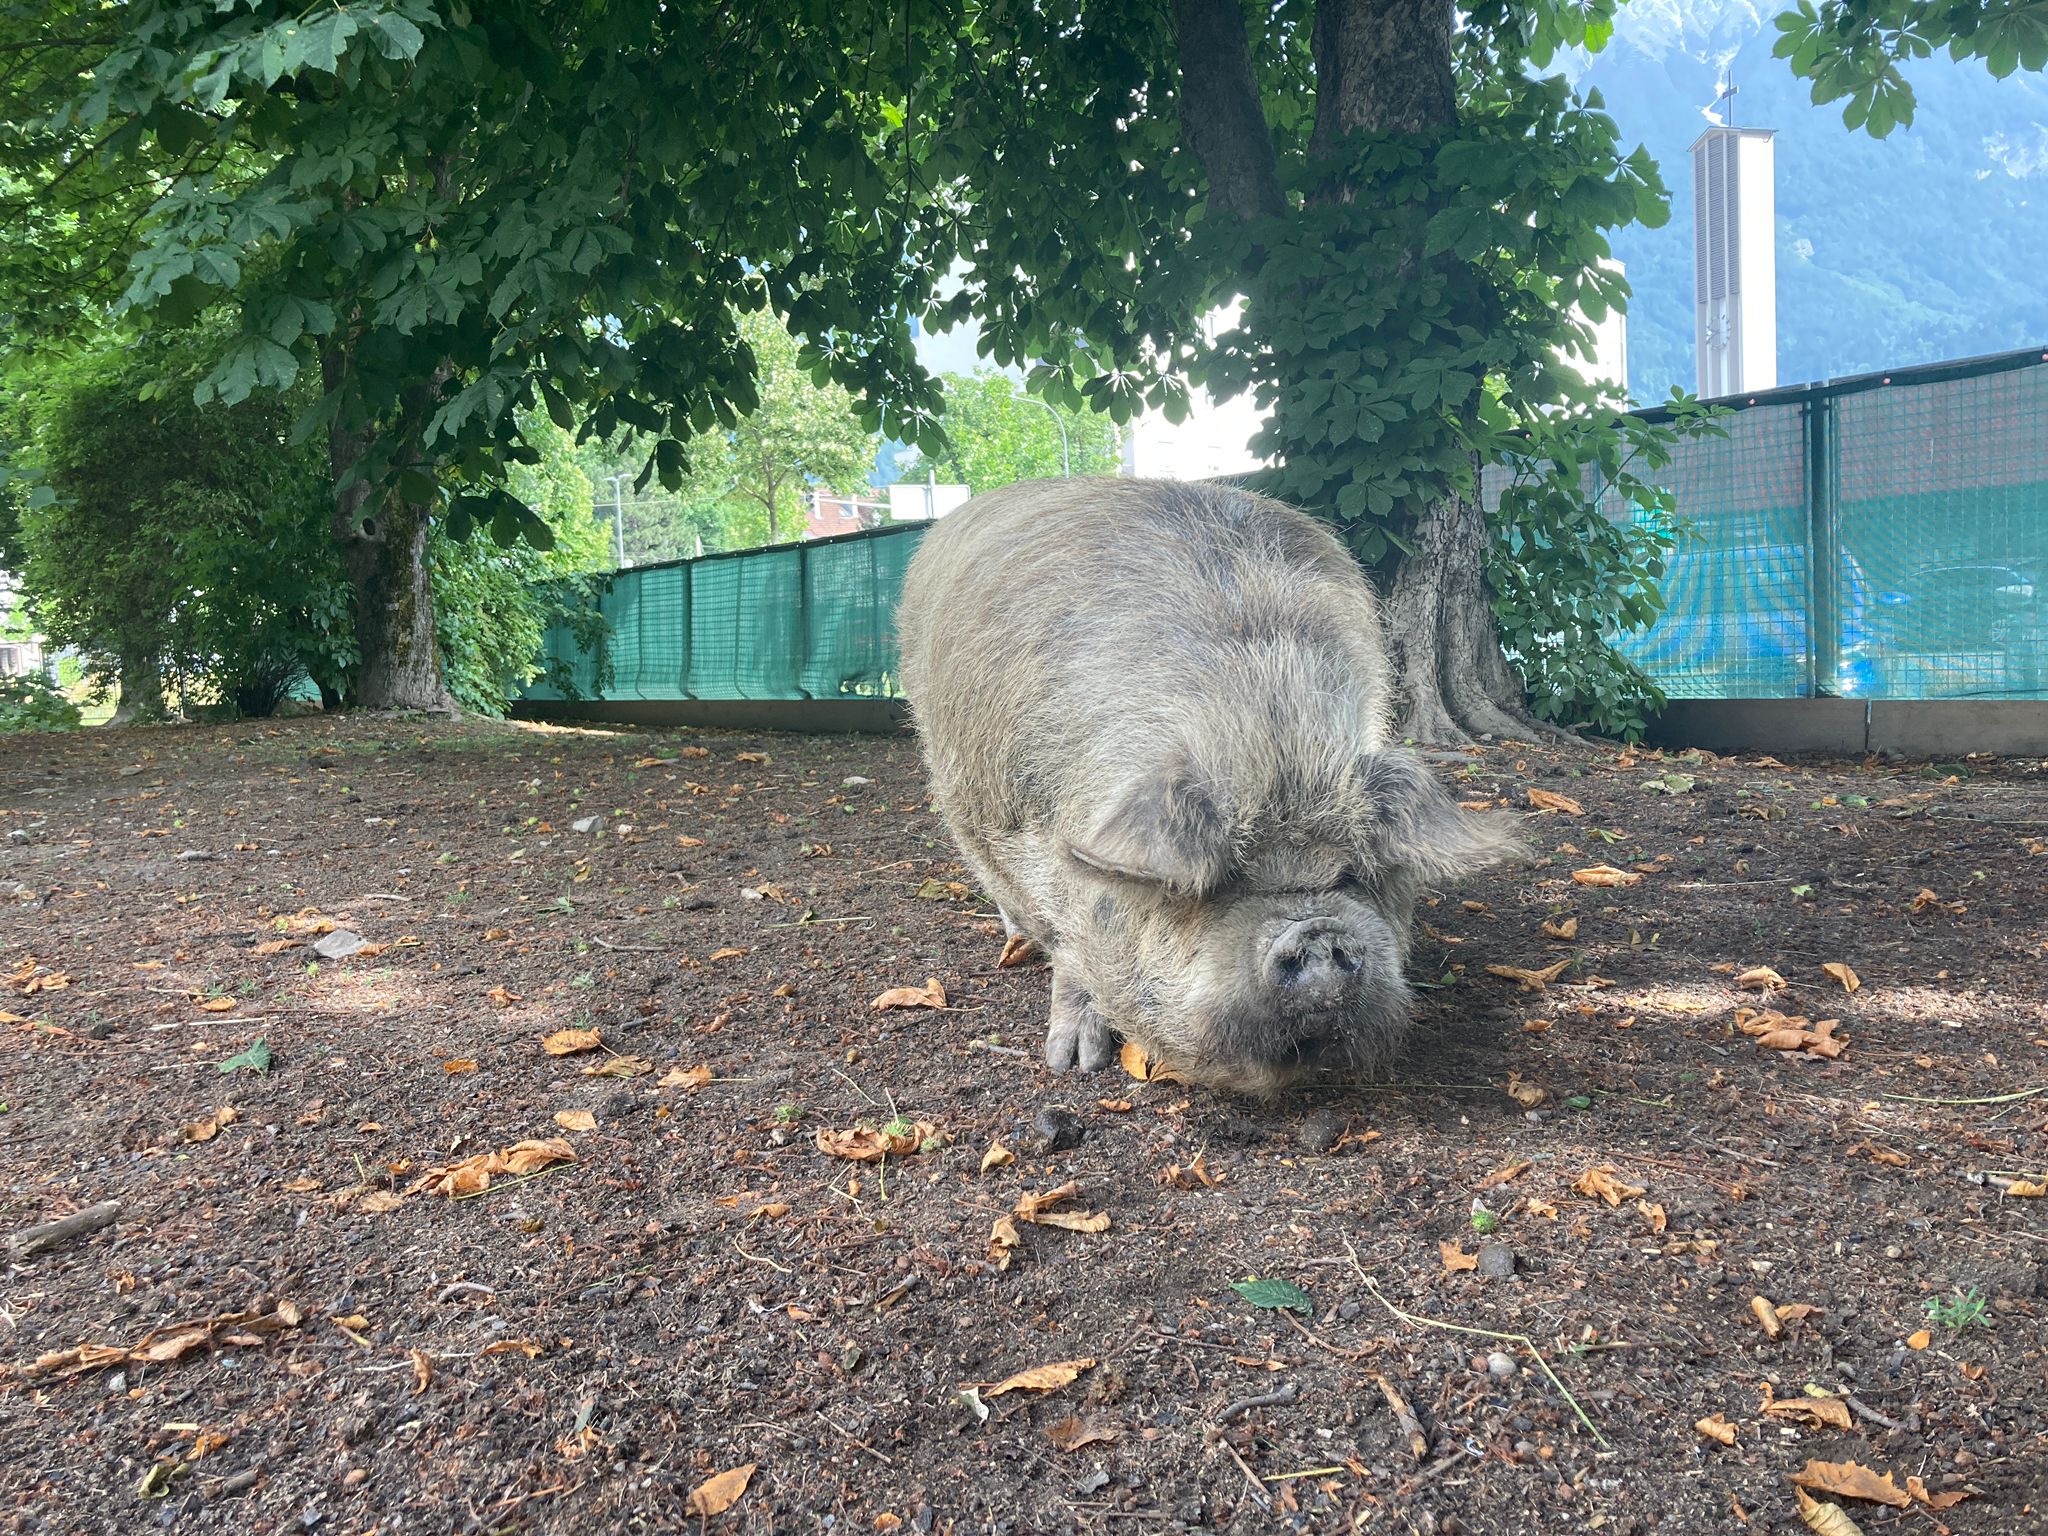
(338,945)
(1496,1261)
(1059,1128)
(194,855)
(587,824)
(1319,1132)
(1500,1367)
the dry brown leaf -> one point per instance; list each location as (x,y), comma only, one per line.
(1824,1518)
(1653,1214)
(163,1345)
(689,842)
(1036,1209)
(715,1495)
(1115,1106)
(1761,978)
(1920,1338)
(930,995)
(728,953)
(620,1066)
(1070,1434)
(861,1145)
(274,946)
(1531,981)
(217,1005)
(422,1370)
(759,759)
(997,1156)
(1455,1257)
(576,1119)
(1716,1428)
(458,1065)
(2026,1189)
(692,1078)
(1017,950)
(1503,1175)
(380,1202)
(1851,1480)
(503,996)
(1766,1315)
(1606,875)
(473,1175)
(1602,1184)
(1003,1241)
(210,1127)
(1934,1500)
(1195,1175)
(1545,800)
(1528,1095)
(1821,1412)
(1848,978)
(1775,1031)
(1041,1378)
(693,751)
(569,1042)
(1565,930)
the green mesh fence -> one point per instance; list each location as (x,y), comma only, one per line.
(799,621)
(1880,537)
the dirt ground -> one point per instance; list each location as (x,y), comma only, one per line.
(290,1325)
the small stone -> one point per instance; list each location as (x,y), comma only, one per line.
(195,855)
(1319,1132)
(1500,1367)
(587,824)
(241,1482)
(338,945)
(1059,1128)
(1496,1261)
(855,781)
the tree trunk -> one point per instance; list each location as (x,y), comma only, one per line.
(384,552)
(142,690)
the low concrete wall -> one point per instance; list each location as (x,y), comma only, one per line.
(815,716)
(1947,728)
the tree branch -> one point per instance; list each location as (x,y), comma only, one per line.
(1220,113)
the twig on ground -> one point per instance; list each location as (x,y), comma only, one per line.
(1435,1470)
(1372,1288)
(1730,1152)
(1286,1392)
(629,949)
(1324,1344)
(1000,1050)
(1418,1442)
(1996,1098)
(48,1234)
(855,1439)
(456,1288)
(1871,1413)
(1259,1494)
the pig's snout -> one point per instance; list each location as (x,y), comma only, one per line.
(1314,959)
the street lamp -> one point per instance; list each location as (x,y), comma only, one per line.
(1066,459)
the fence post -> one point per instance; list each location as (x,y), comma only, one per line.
(803,615)
(689,628)
(1823,548)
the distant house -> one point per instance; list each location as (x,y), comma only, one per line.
(830,514)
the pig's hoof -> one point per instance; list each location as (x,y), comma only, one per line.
(1078,1036)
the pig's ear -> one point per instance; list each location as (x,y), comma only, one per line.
(1411,823)
(1168,828)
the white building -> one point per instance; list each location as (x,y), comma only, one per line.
(1735,262)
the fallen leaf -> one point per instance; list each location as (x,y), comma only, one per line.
(1716,1428)
(997,1156)
(422,1370)
(1653,1214)
(861,1145)
(1851,1480)
(1545,800)
(1919,1339)
(1761,978)
(1004,1241)
(943,890)
(759,759)
(1036,1209)
(1531,981)
(1843,974)
(930,995)
(473,1175)
(380,1202)
(1606,874)
(1601,1183)
(1017,950)
(570,1042)
(1195,1175)
(619,1066)
(210,1127)
(1455,1257)
(503,997)
(1934,1500)
(2026,1189)
(1503,1175)
(693,751)
(1070,1434)
(272,947)
(457,1066)
(1041,1378)
(692,1078)
(1115,1106)
(1566,930)
(576,1119)
(715,1495)
(727,953)
(217,1005)
(1775,1031)
(1528,1095)
(1824,1518)
(1821,1412)
(164,1345)
(689,842)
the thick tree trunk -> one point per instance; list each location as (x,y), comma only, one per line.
(142,690)
(384,551)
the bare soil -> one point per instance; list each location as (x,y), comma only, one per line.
(702,1287)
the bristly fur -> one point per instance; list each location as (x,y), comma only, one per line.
(1155,717)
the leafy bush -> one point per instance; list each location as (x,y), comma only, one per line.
(31,702)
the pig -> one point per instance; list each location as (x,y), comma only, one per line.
(1155,719)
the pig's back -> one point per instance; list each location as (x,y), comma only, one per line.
(1059,633)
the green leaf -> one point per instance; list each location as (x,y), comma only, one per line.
(254,1059)
(1275,1295)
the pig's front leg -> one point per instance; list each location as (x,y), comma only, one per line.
(1077,1036)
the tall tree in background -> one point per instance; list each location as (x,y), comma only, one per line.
(994,438)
